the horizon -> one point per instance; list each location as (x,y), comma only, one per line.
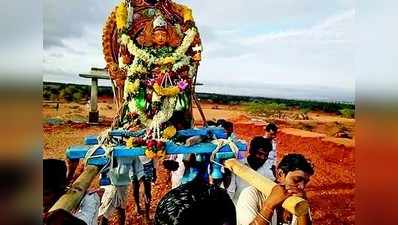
(226,89)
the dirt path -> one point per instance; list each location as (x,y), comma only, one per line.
(331,190)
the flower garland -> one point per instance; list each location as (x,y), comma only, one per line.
(155,149)
(162,116)
(165,113)
(167,91)
(135,69)
(147,57)
(121,15)
(169,132)
(167,94)
(131,87)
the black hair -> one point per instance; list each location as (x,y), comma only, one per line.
(227,125)
(292,162)
(271,127)
(194,203)
(260,142)
(180,120)
(54,175)
(220,122)
(211,123)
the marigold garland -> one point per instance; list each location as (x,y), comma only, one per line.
(121,16)
(168,91)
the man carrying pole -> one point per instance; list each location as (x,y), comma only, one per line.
(258,208)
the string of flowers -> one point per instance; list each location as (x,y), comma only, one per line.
(131,87)
(147,57)
(164,114)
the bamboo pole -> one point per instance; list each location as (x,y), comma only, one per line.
(295,205)
(71,199)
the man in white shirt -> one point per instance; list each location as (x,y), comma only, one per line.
(177,172)
(254,207)
(258,155)
(121,173)
(270,132)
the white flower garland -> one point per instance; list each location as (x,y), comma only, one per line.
(165,113)
(183,62)
(178,54)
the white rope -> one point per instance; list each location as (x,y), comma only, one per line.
(108,151)
(222,142)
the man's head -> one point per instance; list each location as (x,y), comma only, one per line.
(227,125)
(258,151)
(196,203)
(211,123)
(270,131)
(294,171)
(54,181)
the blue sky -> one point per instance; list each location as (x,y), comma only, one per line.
(286,43)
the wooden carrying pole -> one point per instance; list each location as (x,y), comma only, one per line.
(295,205)
(71,199)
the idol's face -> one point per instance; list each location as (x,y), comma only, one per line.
(160,37)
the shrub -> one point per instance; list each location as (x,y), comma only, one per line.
(347,113)
(264,108)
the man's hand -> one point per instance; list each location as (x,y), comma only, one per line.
(280,193)
(277,196)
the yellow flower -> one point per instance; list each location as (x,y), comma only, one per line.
(169,132)
(161,154)
(121,15)
(167,60)
(149,154)
(187,14)
(130,143)
(136,69)
(185,11)
(132,87)
(169,91)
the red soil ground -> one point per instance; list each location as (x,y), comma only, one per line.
(330,191)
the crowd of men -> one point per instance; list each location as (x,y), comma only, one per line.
(196,200)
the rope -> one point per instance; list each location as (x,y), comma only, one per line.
(221,143)
(108,151)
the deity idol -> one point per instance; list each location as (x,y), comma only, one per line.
(152,50)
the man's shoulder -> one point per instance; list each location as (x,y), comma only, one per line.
(251,193)
(253,190)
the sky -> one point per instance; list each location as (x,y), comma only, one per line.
(290,45)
